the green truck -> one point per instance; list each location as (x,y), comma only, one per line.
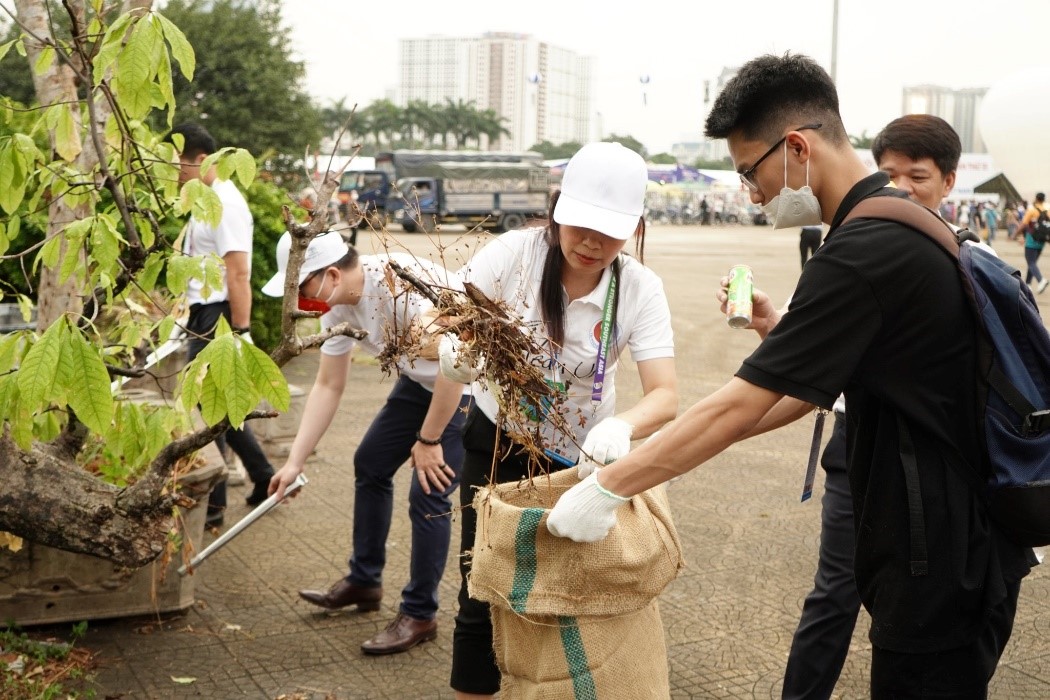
(495,196)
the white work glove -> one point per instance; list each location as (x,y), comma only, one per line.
(605,443)
(247,337)
(586,512)
(452,366)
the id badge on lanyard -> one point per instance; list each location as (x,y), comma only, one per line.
(555,452)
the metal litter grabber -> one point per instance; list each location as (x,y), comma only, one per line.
(238,527)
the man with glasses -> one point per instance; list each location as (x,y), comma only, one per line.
(421,422)
(920,153)
(883,309)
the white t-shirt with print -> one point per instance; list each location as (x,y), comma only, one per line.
(233,234)
(383,312)
(510,268)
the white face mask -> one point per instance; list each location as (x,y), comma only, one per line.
(792,208)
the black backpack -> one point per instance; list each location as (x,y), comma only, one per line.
(1041,228)
(1013,385)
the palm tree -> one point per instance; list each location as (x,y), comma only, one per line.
(461,120)
(490,125)
(417,122)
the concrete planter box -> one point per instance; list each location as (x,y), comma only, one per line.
(43,585)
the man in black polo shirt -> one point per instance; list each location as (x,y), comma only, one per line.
(884,309)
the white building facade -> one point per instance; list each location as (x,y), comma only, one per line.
(957,107)
(543,92)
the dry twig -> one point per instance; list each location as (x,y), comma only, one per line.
(493,336)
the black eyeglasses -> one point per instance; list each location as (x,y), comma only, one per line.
(748,176)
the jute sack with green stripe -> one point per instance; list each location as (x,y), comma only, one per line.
(574,620)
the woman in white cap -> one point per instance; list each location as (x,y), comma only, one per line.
(571,284)
(421,421)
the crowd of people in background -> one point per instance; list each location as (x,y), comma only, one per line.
(984,218)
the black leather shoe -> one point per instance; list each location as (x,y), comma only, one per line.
(401,635)
(213,519)
(258,494)
(343,593)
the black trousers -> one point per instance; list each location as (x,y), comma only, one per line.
(809,241)
(955,674)
(474,667)
(203,318)
(829,613)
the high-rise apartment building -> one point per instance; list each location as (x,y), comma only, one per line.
(957,107)
(543,92)
(715,149)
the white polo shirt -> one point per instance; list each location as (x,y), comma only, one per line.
(233,234)
(382,312)
(510,268)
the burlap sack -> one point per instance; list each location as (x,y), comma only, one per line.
(574,620)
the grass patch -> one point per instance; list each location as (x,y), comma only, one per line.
(42,669)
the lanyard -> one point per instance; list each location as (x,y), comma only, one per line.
(604,341)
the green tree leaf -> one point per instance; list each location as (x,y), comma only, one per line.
(241,393)
(9,233)
(44,59)
(74,234)
(166,88)
(266,376)
(110,48)
(136,99)
(5,47)
(192,383)
(47,426)
(213,274)
(135,63)
(106,242)
(90,396)
(8,398)
(10,344)
(43,374)
(164,329)
(181,269)
(180,48)
(151,272)
(213,400)
(245,164)
(12,177)
(67,135)
(201,200)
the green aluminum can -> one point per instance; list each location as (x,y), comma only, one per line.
(738,306)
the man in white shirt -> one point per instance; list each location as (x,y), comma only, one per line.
(421,422)
(230,240)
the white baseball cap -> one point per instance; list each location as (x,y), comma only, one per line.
(603,188)
(325,249)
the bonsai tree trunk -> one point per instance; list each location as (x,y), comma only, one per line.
(45,495)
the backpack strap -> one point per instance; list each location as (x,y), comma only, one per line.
(916,522)
(914,216)
(911,214)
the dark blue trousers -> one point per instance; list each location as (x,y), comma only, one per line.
(385,447)
(829,614)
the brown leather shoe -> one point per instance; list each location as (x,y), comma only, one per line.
(400,635)
(343,593)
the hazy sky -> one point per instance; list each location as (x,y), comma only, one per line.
(351,48)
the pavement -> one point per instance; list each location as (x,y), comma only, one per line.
(750,545)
